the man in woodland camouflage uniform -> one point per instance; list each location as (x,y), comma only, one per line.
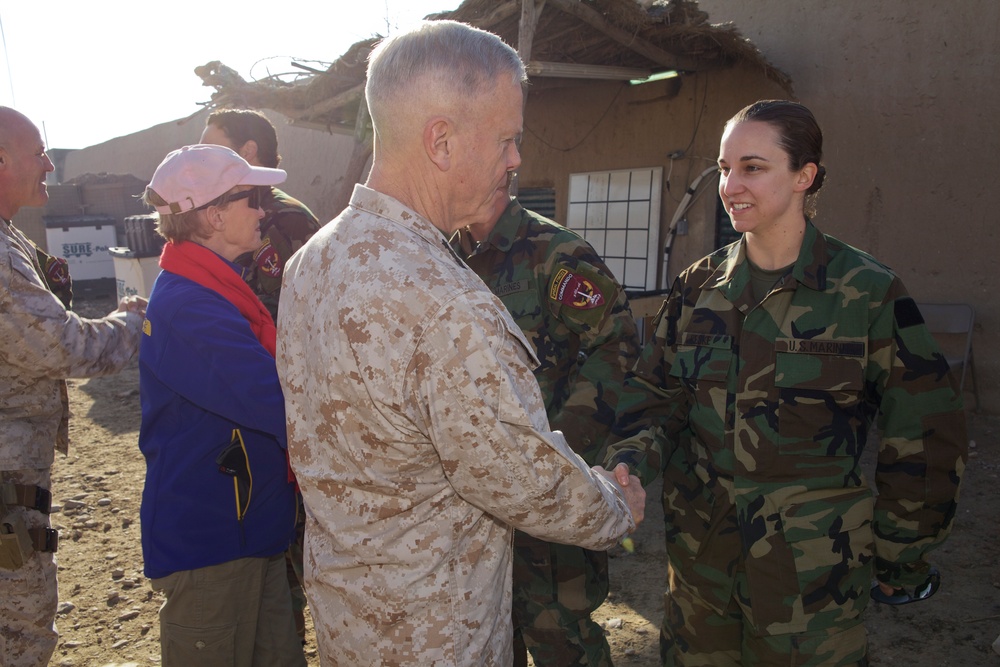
(576,316)
(287,222)
(43,343)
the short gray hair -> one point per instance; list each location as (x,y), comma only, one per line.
(465,59)
(177,227)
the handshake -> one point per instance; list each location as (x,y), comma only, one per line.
(132,304)
(630,488)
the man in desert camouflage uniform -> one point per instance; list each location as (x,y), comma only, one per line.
(576,317)
(43,343)
(287,223)
(415,425)
(773,403)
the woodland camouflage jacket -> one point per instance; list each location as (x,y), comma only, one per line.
(758,414)
(572,310)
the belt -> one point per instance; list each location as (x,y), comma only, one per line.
(26,495)
(32,496)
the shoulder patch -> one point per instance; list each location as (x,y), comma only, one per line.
(147,328)
(267,260)
(57,272)
(907,313)
(576,291)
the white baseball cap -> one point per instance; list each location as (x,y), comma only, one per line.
(192,176)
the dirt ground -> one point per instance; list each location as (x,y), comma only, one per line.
(108,613)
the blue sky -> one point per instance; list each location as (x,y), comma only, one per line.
(86,72)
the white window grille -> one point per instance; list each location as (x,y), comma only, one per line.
(618,212)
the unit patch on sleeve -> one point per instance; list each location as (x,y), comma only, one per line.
(57,272)
(575,291)
(267,260)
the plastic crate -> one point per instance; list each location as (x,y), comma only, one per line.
(83,241)
(134,275)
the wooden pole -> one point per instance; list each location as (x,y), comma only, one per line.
(531,10)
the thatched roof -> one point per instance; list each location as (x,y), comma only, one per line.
(672,34)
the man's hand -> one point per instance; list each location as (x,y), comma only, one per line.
(631,488)
(132,304)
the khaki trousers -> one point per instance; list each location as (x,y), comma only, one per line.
(236,614)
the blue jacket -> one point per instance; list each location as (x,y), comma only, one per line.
(202,374)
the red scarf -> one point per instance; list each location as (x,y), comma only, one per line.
(198,263)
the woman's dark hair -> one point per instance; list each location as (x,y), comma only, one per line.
(799,136)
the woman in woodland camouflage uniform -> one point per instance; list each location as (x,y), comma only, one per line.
(772,358)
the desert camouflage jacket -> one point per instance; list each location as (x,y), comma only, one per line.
(572,310)
(418,436)
(758,415)
(287,224)
(43,343)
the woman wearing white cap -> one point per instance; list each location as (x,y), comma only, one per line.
(218,507)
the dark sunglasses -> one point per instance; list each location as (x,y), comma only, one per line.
(254,196)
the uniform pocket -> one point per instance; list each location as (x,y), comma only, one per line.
(702,365)
(820,385)
(702,358)
(688,507)
(184,646)
(832,547)
(520,400)
(520,300)
(703,540)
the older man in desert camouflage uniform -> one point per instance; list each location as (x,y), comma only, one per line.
(416,428)
(43,343)
(576,316)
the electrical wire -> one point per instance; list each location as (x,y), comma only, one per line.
(699,112)
(585,136)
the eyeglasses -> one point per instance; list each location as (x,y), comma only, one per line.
(902,596)
(253,196)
